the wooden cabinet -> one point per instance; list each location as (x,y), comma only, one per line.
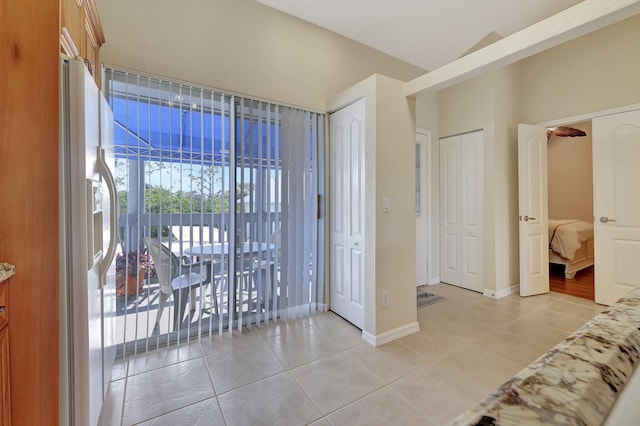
(5,400)
(81,33)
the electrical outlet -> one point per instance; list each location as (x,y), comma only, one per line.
(385,299)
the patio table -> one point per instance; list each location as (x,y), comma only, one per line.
(210,252)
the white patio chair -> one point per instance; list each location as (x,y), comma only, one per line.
(174,278)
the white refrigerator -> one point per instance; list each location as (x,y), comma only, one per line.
(88,215)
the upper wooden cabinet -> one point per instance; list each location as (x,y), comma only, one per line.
(81,33)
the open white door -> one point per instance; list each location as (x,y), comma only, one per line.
(532,210)
(616,174)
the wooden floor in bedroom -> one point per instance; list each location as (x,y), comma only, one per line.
(580,286)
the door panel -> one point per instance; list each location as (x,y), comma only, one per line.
(450,214)
(533,210)
(471,146)
(616,154)
(461,195)
(347,128)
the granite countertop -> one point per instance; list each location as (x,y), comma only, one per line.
(6,270)
(577,381)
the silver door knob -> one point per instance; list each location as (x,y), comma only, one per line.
(527,218)
(605,219)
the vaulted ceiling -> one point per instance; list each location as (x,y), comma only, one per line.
(425,33)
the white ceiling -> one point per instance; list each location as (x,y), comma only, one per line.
(426,33)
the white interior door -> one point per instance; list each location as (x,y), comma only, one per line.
(347,143)
(616,173)
(471,147)
(532,210)
(461,206)
(451,231)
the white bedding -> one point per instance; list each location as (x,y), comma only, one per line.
(566,236)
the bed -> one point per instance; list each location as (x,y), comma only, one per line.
(571,245)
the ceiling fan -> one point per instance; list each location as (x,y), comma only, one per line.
(563,131)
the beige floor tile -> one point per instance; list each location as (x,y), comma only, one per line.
(321,422)
(341,332)
(552,318)
(438,392)
(389,361)
(431,313)
(275,400)
(205,413)
(432,342)
(383,407)
(120,369)
(276,328)
(480,366)
(467,346)
(335,381)
(530,329)
(234,368)
(541,300)
(569,307)
(225,341)
(462,325)
(554,295)
(454,293)
(165,389)
(487,315)
(513,304)
(328,319)
(516,349)
(165,356)
(111,414)
(301,346)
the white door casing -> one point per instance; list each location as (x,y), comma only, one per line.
(533,210)
(616,174)
(461,206)
(347,144)
(423,218)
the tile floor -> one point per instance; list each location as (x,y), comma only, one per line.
(318,371)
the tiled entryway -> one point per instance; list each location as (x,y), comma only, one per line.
(318,370)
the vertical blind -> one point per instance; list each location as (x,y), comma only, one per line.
(201,168)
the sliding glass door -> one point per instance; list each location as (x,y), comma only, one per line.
(230,187)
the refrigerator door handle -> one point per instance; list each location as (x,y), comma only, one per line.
(103,170)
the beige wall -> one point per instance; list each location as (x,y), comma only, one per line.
(241,46)
(490,103)
(427,119)
(595,72)
(570,171)
(390,238)
(395,230)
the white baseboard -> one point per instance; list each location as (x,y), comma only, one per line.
(434,281)
(391,335)
(501,293)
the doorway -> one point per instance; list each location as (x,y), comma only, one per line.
(616,205)
(570,208)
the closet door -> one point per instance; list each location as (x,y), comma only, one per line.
(347,212)
(461,206)
(450,271)
(471,193)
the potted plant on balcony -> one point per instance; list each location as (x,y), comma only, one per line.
(131,271)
